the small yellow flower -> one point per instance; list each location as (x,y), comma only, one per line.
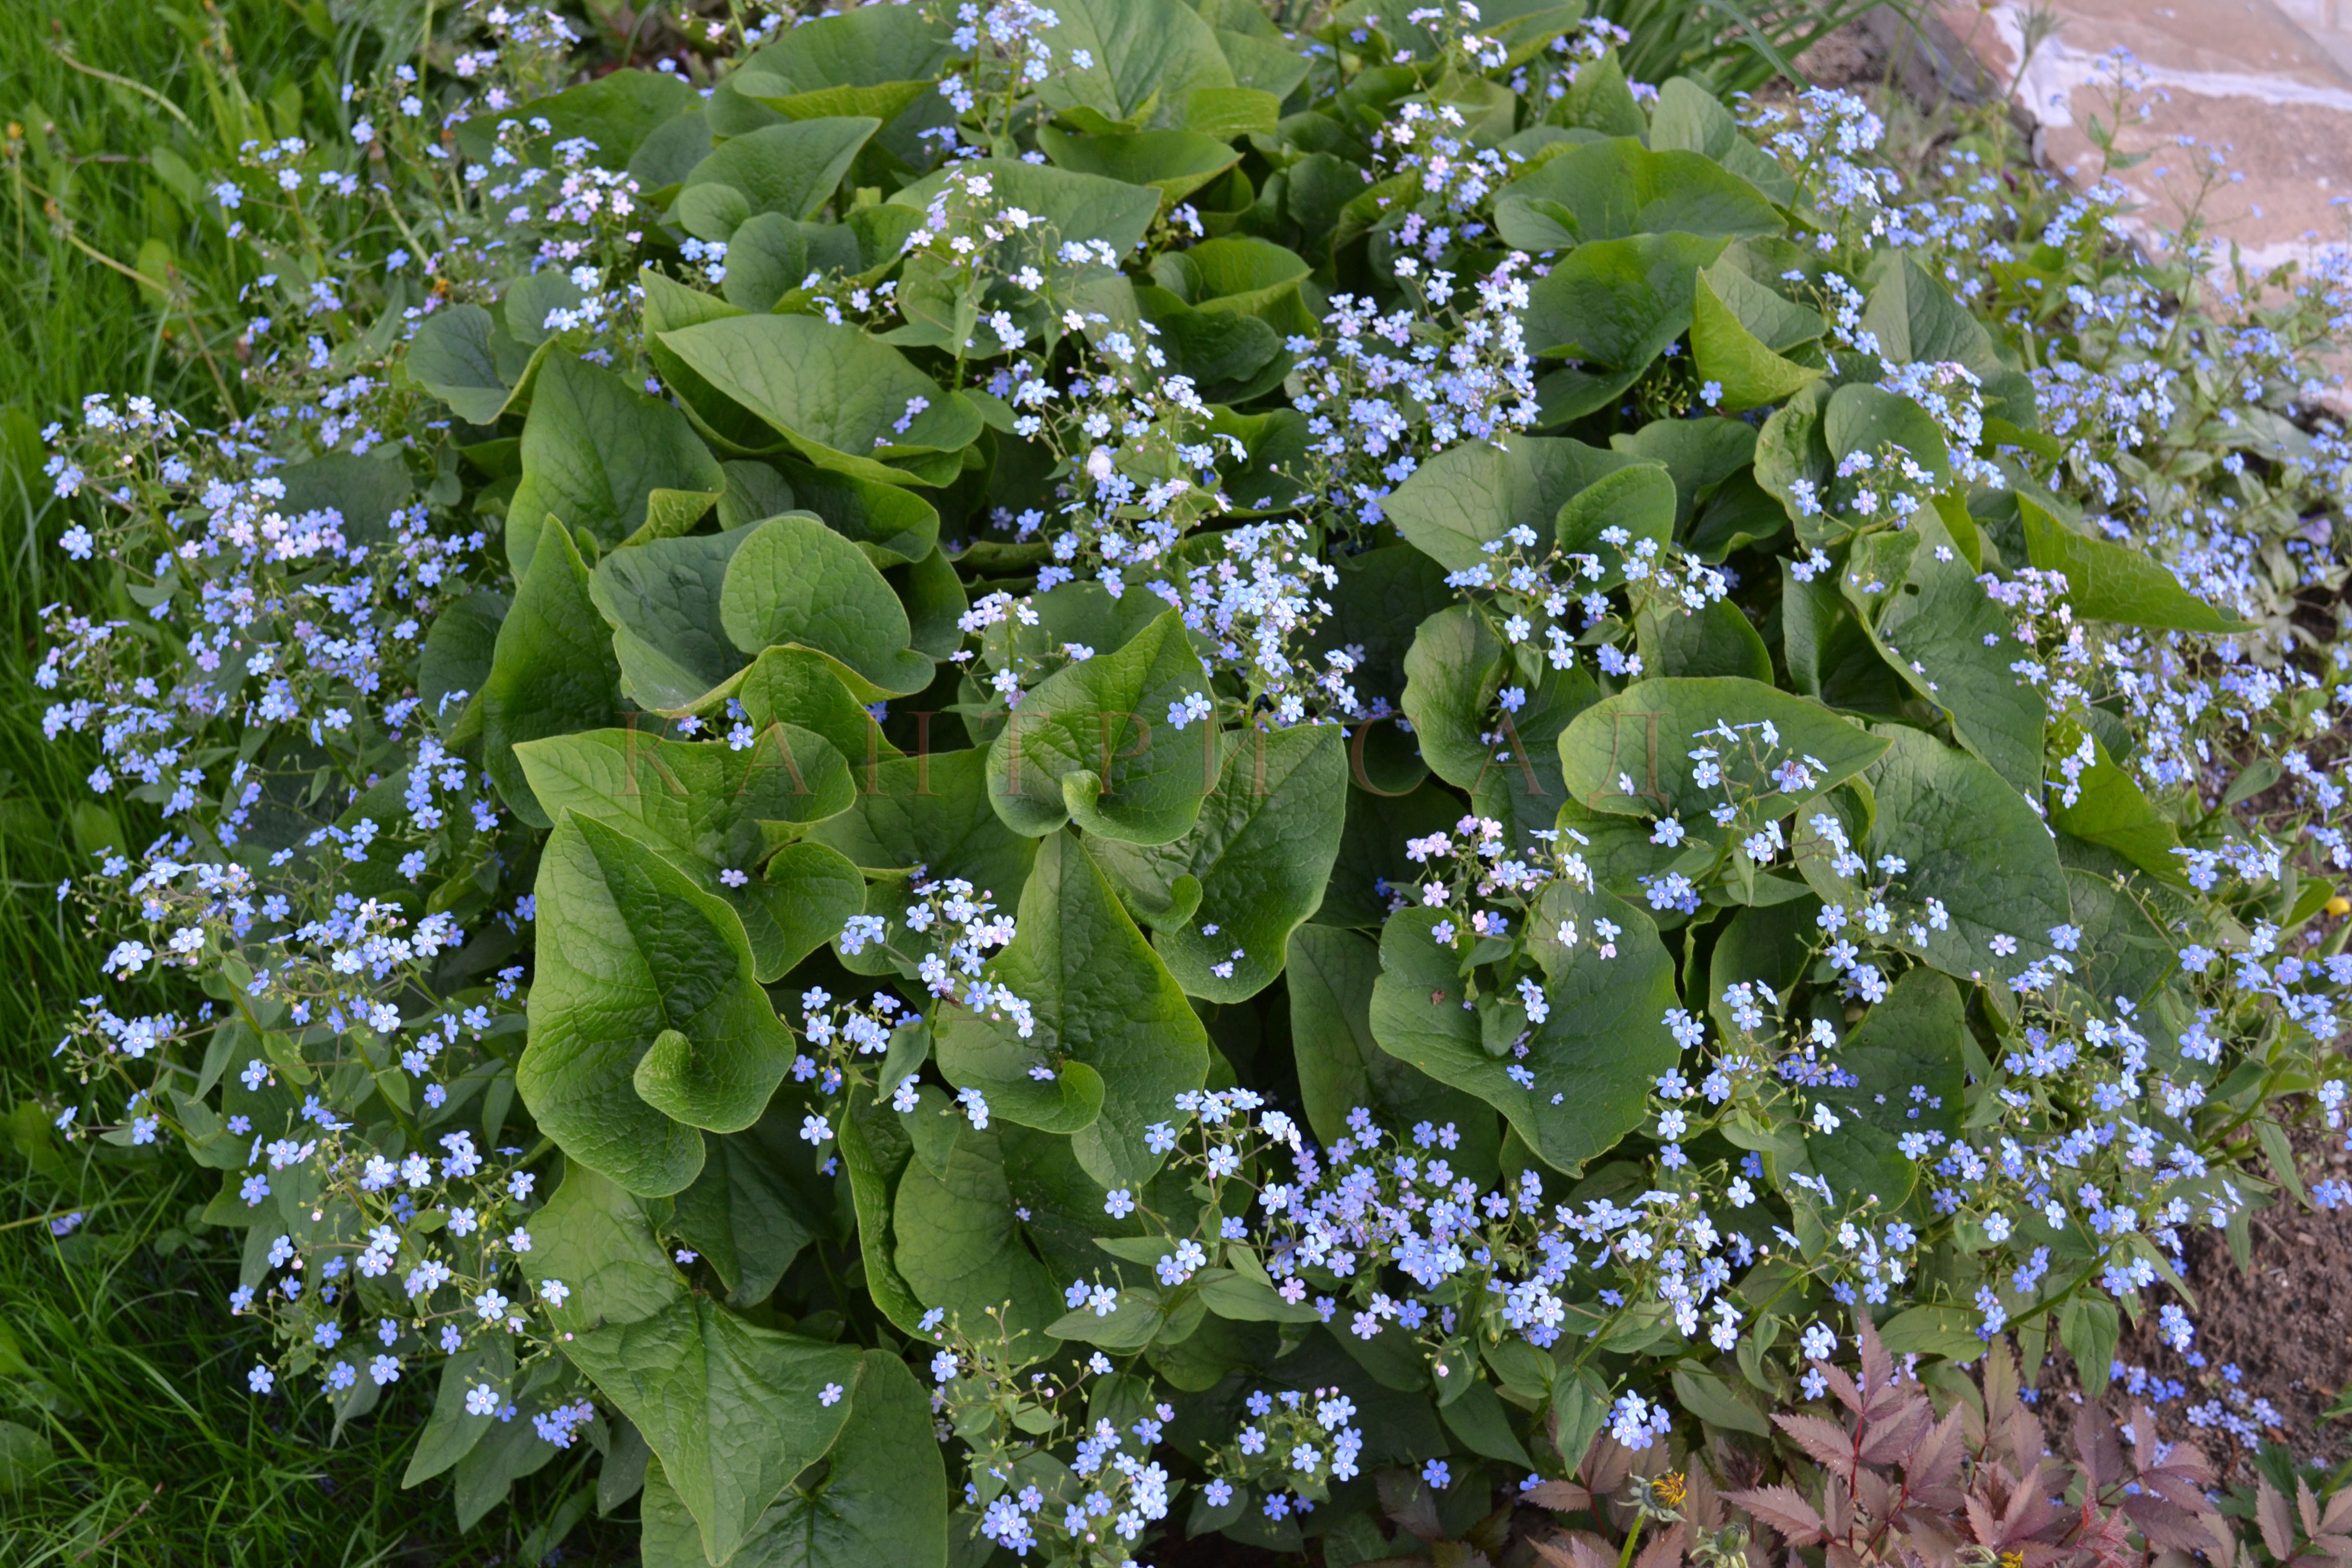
(1672,1488)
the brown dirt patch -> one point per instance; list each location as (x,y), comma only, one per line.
(2274,1345)
(1854,56)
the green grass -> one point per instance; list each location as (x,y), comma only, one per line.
(115,1350)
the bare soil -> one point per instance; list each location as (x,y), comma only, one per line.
(1851,57)
(2274,1345)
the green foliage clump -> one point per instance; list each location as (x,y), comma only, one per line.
(1042,779)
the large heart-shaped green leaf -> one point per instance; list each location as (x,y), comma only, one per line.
(1506,757)
(883,102)
(364,491)
(1728,348)
(458,654)
(595,451)
(1630,753)
(1081,207)
(789,170)
(1227,113)
(1260,855)
(731,429)
(2126,953)
(1640,499)
(1469,496)
(1918,321)
(960,1241)
(1261,62)
(1477,1416)
(843,400)
(1954,644)
(1966,838)
(892,525)
(796,582)
(672,148)
(662,600)
(1094,741)
(1144,55)
(732,1410)
(875,1147)
(1793,464)
(1235,273)
(465,358)
(1520,785)
(1592,1058)
(1700,455)
(1174,163)
(1110,1022)
(533,305)
(882,1497)
(1082,612)
(644,1021)
(936,603)
(1600,98)
(1219,350)
(883,99)
(595,1236)
(1739,514)
(932,810)
(1716,640)
(1452,673)
(1752,279)
(872,59)
(1617,188)
(1860,417)
(1377,604)
(800,686)
(760,1199)
(551,669)
(1623,854)
(770,256)
(1619,302)
(2109,582)
(1908,1060)
(709,809)
(1689,117)
(616,111)
(1330,975)
(2107,806)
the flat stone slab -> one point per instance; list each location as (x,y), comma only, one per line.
(2270,82)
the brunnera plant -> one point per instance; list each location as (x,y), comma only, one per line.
(1004,780)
